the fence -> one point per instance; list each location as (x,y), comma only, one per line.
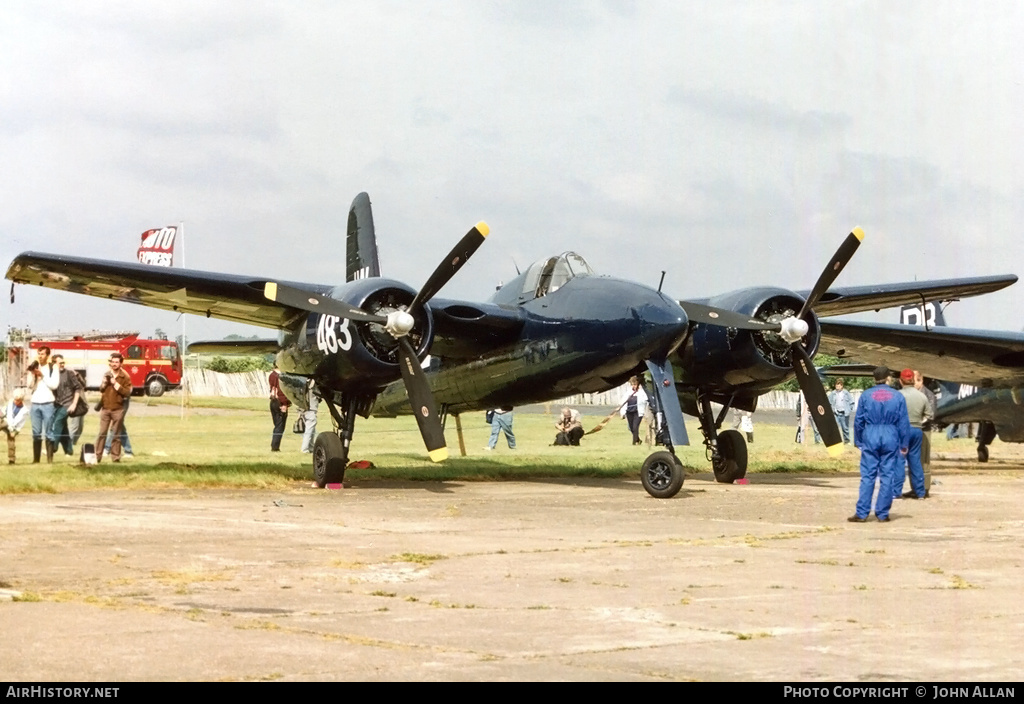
(203,382)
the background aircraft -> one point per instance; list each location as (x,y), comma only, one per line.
(977,375)
(556,330)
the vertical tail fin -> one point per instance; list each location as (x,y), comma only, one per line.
(361,260)
(929,315)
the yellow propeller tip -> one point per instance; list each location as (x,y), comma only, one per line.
(483,229)
(858,233)
(835,450)
(270,290)
(439,455)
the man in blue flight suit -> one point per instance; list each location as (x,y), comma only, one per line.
(881,429)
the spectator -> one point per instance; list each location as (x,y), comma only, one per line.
(278,410)
(501,421)
(114,389)
(570,427)
(15,413)
(635,408)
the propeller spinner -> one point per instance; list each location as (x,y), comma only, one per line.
(792,329)
(398,324)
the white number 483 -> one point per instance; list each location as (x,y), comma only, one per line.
(330,337)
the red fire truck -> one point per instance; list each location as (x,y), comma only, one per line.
(153,365)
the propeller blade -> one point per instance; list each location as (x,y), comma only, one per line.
(315,303)
(700,313)
(422,401)
(839,261)
(668,400)
(451,264)
(817,401)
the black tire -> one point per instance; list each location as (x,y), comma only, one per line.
(662,475)
(983,453)
(328,460)
(155,386)
(731,463)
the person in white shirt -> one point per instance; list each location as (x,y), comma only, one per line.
(13,418)
(43,378)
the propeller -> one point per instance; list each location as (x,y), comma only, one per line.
(792,330)
(399,324)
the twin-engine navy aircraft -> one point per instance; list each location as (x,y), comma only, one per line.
(556,330)
(976,375)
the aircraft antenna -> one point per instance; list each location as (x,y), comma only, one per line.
(662,281)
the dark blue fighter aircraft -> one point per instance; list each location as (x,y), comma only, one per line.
(558,329)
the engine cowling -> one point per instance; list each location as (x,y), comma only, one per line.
(356,356)
(718,358)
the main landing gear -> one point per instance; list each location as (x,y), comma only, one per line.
(986,434)
(330,450)
(727,450)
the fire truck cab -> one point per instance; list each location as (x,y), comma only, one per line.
(153,365)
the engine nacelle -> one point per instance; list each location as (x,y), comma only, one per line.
(354,356)
(749,361)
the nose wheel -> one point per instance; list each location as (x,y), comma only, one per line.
(662,475)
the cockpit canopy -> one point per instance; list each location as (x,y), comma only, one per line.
(543,277)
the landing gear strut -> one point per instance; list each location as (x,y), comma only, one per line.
(727,450)
(330,451)
(986,434)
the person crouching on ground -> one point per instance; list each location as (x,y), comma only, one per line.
(570,427)
(15,413)
(115,388)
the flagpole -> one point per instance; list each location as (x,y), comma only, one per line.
(184,343)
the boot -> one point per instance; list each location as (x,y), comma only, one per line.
(50,444)
(37,450)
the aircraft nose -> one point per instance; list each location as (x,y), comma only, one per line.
(663,325)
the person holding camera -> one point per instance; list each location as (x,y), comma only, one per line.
(114,390)
(43,378)
(570,427)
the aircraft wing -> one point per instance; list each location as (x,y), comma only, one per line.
(984,358)
(226,296)
(857,299)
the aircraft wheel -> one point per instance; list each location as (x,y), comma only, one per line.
(731,462)
(983,453)
(662,475)
(328,460)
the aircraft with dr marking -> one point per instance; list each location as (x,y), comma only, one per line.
(976,375)
(557,329)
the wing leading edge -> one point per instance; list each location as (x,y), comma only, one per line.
(225,296)
(857,299)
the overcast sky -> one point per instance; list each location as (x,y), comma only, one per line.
(730,143)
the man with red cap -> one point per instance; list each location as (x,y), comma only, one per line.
(919,411)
